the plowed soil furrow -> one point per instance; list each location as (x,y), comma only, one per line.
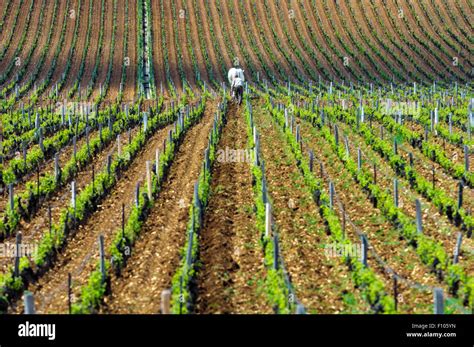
(193,28)
(118,58)
(61,17)
(434,27)
(158,52)
(78,258)
(93,47)
(307,8)
(17,33)
(258,14)
(156,254)
(33,229)
(213,16)
(293,31)
(27,45)
(273,12)
(358,56)
(320,281)
(130,83)
(199,11)
(425,54)
(106,48)
(249,30)
(364,13)
(379,16)
(187,61)
(230,253)
(382,236)
(229,11)
(68,38)
(435,224)
(47,21)
(78,52)
(171,44)
(327,26)
(300,19)
(353,24)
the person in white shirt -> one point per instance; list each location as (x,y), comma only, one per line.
(236,83)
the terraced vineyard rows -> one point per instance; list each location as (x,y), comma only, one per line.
(132,182)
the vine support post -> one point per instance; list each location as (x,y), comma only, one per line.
(268,219)
(276,252)
(395,292)
(438,301)
(102,257)
(137,194)
(395,192)
(466,158)
(359,159)
(419,223)
(29,302)
(74,144)
(331,194)
(119,146)
(148,179)
(16,269)
(11,194)
(460,192)
(69,292)
(457,249)
(364,247)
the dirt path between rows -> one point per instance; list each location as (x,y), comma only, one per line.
(156,254)
(82,250)
(32,230)
(230,253)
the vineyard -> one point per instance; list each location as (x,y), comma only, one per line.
(131,181)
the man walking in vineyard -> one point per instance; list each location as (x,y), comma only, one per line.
(236,81)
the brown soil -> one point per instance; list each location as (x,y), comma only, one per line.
(158,51)
(118,59)
(187,60)
(435,224)
(106,48)
(130,87)
(381,235)
(190,16)
(326,26)
(156,255)
(230,253)
(81,41)
(93,47)
(199,11)
(228,10)
(258,16)
(33,230)
(17,33)
(81,251)
(171,45)
(68,37)
(319,281)
(30,36)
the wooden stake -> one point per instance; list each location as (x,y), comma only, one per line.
(165,301)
